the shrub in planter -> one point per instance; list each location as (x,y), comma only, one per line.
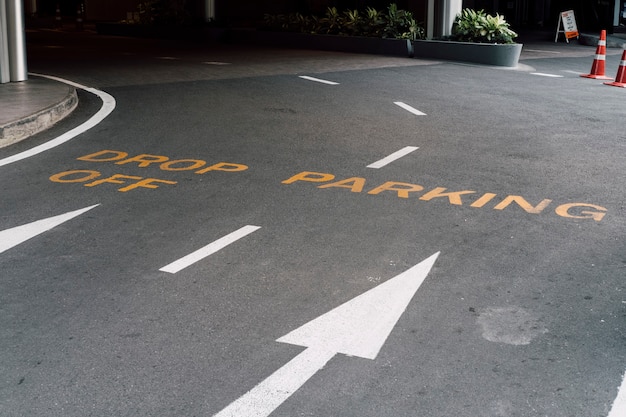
(163,12)
(294,22)
(477,26)
(373,23)
(476,37)
(401,24)
(396,23)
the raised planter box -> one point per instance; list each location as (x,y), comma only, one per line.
(505,55)
(355,44)
(190,33)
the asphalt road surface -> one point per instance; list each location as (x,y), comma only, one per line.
(414,238)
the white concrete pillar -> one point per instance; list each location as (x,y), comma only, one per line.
(451,8)
(5,76)
(440,16)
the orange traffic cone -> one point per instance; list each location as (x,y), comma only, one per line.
(597,69)
(620,78)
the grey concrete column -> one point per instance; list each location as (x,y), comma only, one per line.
(430,19)
(17,40)
(5,76)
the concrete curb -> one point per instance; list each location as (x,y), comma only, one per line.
(611,41)
(20,129)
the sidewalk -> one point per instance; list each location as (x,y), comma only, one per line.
(34,105)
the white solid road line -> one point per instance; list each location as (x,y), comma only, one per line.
(209,249)
(319,80)
(619,405)
(394,156)
(409,108)
(16,235)
(108,105)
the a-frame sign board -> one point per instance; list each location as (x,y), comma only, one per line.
(568,22)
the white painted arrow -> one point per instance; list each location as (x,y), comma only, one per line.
(358,327)
(16,235)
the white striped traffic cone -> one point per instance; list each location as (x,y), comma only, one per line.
(597,68)
(620,78)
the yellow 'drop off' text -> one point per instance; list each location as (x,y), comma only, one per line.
(484,200)
(93,178)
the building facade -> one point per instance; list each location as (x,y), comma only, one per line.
(590,14)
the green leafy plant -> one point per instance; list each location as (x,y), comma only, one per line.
(373,22)
(477,26)
(332,22)
(299,22)
(294,22)
(396,23)
(352,22)
(163,12)
(401,24)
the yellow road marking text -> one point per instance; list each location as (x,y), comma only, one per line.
(144,160)
(457,198)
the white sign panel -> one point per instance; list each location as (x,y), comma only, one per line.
(569,24)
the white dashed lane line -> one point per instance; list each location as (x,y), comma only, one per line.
(543,51)
(393,157)
(209,249)
(318,80)
(573,72)
(409,108)
(542,74)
